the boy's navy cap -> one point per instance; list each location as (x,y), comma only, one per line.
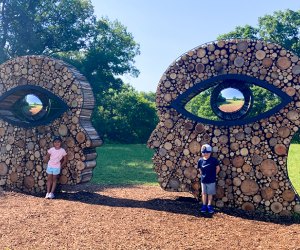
(57,138)
(206,148)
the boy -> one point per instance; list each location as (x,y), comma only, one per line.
(54,157)
(209,167)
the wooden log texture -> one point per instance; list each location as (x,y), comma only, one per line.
(253,156)
(268,168)
(27,147)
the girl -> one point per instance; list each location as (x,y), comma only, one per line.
(54,157)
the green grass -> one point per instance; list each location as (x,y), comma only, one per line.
(129,164)
(293,165)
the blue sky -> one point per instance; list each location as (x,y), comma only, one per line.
(229,93)
(165,29)
(33,99)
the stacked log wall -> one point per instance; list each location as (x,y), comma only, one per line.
(24,148)
(253,156)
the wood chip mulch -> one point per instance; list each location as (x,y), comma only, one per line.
(133,217)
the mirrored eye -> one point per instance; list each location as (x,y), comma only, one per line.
(29,106)
(230,100)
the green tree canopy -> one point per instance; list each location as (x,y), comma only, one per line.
(109,54)
(125,116)
(264,100)
(44,26)
(282,27)
(241,32)
(200,105)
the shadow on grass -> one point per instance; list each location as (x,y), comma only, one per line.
(180,205)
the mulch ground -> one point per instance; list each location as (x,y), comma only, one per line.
(138,217)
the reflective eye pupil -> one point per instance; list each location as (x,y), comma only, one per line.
(31,105)
(230,100)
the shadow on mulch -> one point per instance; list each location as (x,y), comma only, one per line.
(179,205)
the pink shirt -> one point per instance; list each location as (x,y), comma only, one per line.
(55,156)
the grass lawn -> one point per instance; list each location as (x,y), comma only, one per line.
(131,164)
(294,166)
(124,164)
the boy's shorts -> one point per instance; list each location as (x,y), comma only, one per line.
(51,170)
(208,188)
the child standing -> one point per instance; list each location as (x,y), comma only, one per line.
(54,157)
(209,167)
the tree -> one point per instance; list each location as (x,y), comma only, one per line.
(109,54)
(221,98)
(150,96)
(264,100)
(283,27)
(43,26)
(241,32)
(102,50)
(125,116)
(200,105)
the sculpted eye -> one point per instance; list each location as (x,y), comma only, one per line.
(230,100)
(29,106)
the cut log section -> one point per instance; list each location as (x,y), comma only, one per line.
(249,187)
(3,168)
(194,147)
(267,193)
(268,168)
(29,182)
(248,206)
(190,173)
(288,195)
(276,207)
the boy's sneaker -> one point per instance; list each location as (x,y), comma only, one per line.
(51,196)
(203,209)
(210,209)
(47,196)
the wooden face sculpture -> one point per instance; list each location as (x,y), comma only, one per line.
(40,98)
(250,140)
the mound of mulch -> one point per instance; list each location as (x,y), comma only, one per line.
(137,217)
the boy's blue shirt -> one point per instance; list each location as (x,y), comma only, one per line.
(208,169)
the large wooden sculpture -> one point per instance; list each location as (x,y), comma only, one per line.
(40,98)
(252,150)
